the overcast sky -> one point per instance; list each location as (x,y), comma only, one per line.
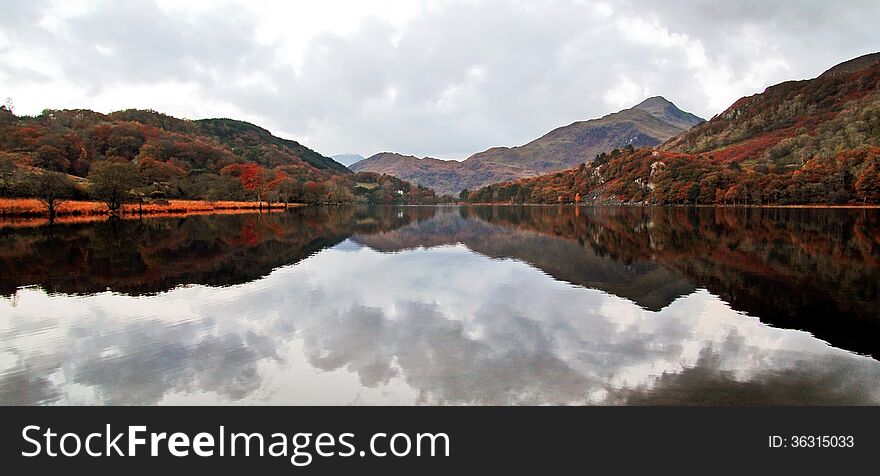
(438,78)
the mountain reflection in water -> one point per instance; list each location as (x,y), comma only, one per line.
(470,305)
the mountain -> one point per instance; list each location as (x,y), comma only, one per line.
(798,142)
(347,159)
(445,176)
(648,123)
(643,125)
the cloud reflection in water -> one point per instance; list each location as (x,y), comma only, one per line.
(439,325)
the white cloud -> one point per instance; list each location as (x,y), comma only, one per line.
(625,94)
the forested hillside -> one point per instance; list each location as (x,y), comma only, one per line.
(145,155)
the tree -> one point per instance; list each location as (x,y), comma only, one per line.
(287,190)
(51,188)
(693,193)
(464,195)
(337,191)
(7,175)
(51,158)
(80,166)
(312,192)
(113,182)
(254,178)
(868,184)
(212,187)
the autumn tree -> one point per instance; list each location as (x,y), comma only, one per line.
(287,190)
(253,177)
(51,158)
(160,178)
(113,182)
(867,185)
(312,192)
(338,191)
(51,188)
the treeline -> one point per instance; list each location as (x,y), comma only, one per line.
(116,183)
(644,176)
(146,156)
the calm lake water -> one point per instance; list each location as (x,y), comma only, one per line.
(447,305)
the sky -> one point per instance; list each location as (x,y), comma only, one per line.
(429,78)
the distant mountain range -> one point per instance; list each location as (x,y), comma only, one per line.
(347,159)
(649,123)
(813,141)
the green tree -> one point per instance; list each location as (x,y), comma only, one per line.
(7,175)
(693,194)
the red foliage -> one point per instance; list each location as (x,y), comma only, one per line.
(247,174)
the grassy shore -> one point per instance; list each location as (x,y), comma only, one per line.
(31,211)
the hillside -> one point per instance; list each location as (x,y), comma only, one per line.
(646,124)
(799,142)
(86,136)
(149,155)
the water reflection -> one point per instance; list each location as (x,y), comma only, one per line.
(495,305)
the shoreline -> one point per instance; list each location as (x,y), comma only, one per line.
(17,212)
(635,205)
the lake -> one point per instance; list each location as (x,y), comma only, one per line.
(445,306)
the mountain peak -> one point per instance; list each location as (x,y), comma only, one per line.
(666,111)
(347,159)
(654,101)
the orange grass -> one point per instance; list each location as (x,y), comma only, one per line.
(32,208)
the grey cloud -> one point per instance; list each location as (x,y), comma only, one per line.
(464,76)
(151,359)
(147,45)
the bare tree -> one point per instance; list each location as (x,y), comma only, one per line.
(51,189)
(113,182)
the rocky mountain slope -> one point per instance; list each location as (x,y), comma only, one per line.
(647,124)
